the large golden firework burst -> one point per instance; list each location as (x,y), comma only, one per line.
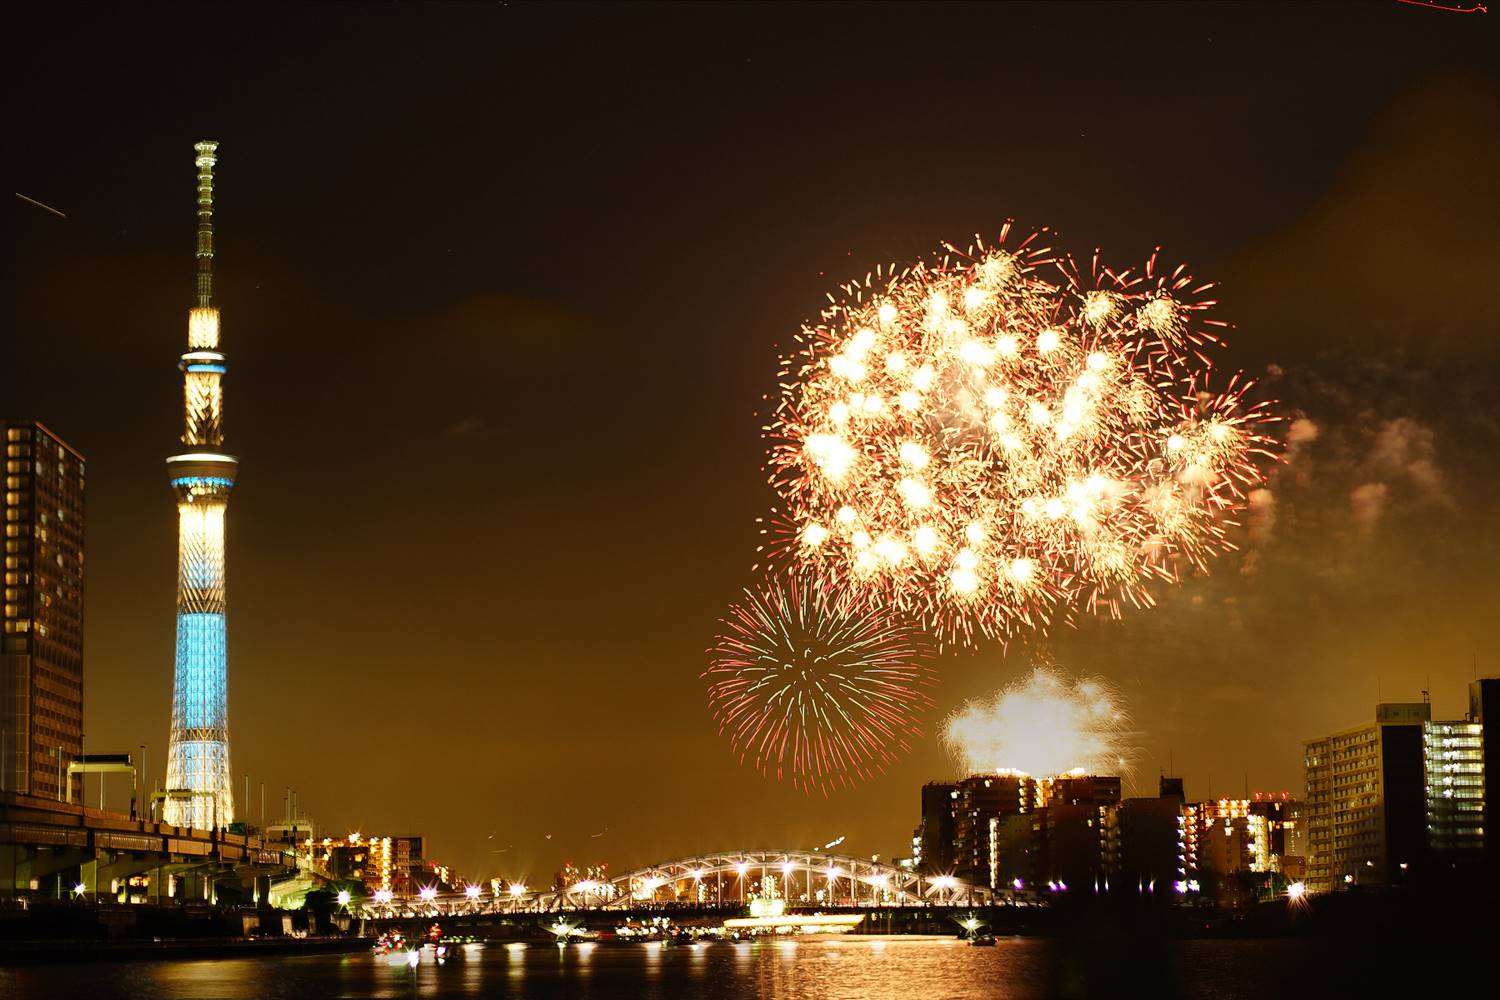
(993,439)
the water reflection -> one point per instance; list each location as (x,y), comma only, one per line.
(854,967)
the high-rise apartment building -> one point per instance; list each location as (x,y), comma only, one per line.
(1366,805)
(1077,832)
(41,645)
(1158,841)
(932,843)
(980,806)
(1484,708)
(1453,758)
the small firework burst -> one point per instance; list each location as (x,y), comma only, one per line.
(1045,725)
(992,441)
(815,686)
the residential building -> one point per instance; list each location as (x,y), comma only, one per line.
(933,843)
(41,635)
(1366,804)
(1453,759)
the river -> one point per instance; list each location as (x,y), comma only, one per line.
(807,969)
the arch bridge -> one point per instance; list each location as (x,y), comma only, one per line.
(727,879)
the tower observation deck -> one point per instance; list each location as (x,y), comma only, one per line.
(202,477)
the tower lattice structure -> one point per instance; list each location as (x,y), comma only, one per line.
(199,790)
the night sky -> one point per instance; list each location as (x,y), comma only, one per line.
(503,287)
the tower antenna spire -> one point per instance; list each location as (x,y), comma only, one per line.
(206,155)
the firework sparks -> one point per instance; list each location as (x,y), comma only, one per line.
(1045,725)
(817,687)
(993,440)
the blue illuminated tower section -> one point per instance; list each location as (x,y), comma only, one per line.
(199,791)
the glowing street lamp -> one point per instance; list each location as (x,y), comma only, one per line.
(344,898)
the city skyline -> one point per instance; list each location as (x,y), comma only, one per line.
(440,437)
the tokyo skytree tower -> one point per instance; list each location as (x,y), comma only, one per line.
(199,791)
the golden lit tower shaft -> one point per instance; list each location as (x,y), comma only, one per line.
(200,792)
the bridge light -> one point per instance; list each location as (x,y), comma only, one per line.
(787,867)
(697,874)
(472,891)
(518,888)
(428,893)
(742,868)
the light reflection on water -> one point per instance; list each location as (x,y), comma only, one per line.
(840,969)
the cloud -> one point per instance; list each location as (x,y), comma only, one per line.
(1261,517)
(1302,431)
(1405,447)
(1367,503)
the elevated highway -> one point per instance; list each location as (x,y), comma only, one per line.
(55,847)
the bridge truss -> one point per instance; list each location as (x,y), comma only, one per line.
(728,879)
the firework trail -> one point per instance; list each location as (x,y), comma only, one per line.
(994,440)
(815,685)
(1045,725)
